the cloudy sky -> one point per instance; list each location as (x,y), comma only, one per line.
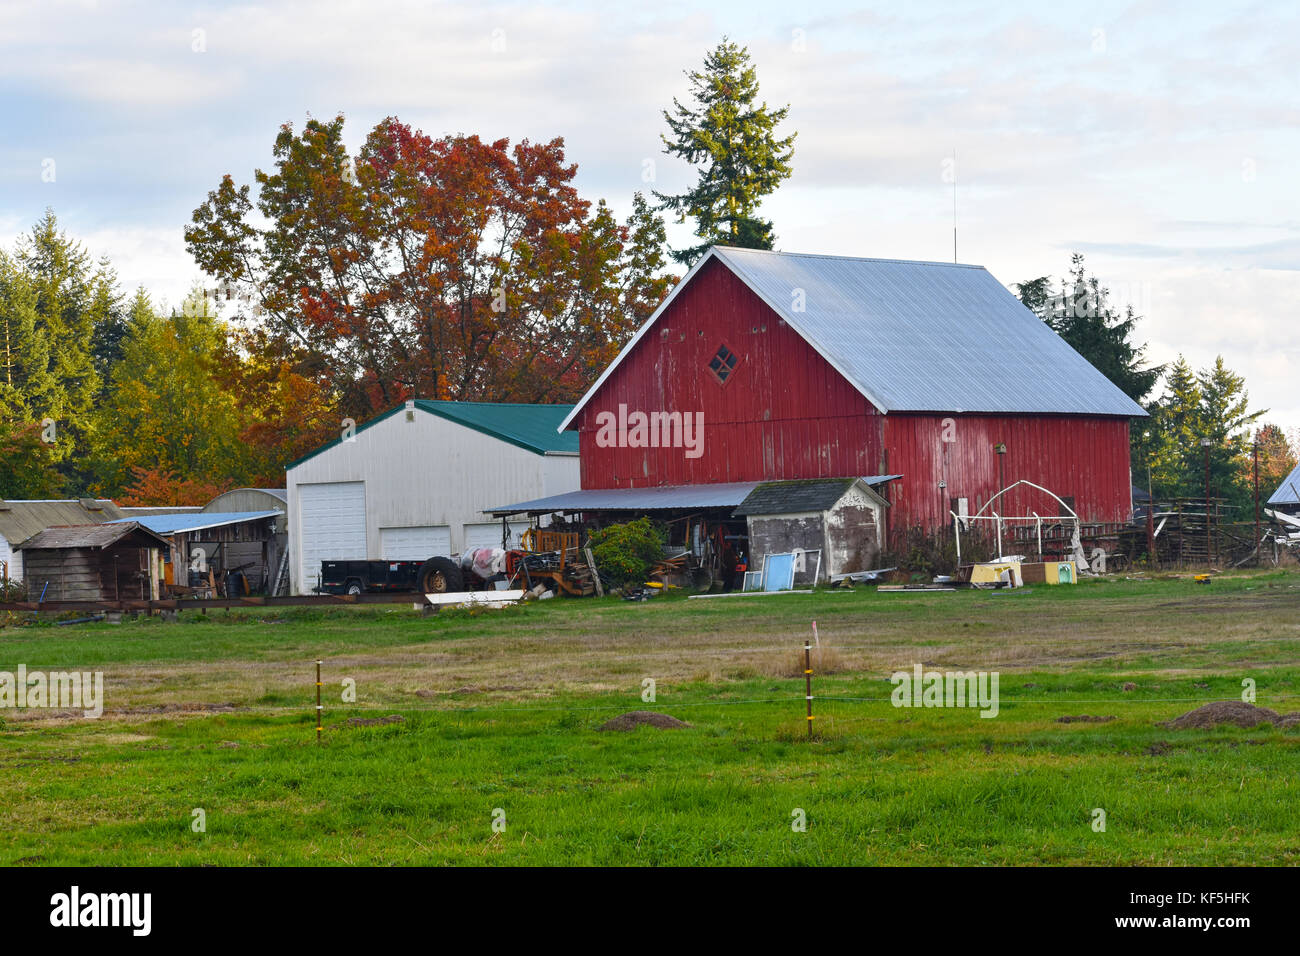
(1160,139)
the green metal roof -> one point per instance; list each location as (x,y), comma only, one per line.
(531,427)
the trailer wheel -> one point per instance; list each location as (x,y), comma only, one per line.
(354,587)
(439,576)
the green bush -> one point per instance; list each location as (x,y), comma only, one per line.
(626,552)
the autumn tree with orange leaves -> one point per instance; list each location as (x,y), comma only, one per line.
(446,268)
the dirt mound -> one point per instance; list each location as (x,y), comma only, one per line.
(1235,712)
(1084,719)
(642,718)
(374,721)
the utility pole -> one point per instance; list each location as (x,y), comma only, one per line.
(1205,443)
(1258,543)
(1151,513)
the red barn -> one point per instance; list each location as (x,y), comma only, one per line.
(764,366)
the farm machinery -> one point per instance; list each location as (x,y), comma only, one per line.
(549,560)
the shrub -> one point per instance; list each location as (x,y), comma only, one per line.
(626,552)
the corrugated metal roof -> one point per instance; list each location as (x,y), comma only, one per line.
(19,520)
(1286,493)
(179,524)
(927,336)
(535,428)
(246,496)
(658,498)
(663,497)
(918,336)
(92,536)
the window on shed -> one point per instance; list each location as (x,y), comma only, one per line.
(723,364)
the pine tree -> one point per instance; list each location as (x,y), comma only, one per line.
(74,297)
(1082,315)
(733,140)
(1210,404)
(1225,410)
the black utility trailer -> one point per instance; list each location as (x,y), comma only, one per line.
(434,576)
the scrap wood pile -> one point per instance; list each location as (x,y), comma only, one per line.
(562,569)
(675,569)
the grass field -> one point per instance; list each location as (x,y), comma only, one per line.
(500,708)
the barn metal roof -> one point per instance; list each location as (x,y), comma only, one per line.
(1288,493)
(535,428)
(917,336)
(659,498)
(19,520)
(93,536)
(181,523)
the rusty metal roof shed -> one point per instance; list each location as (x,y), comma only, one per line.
(19,520)
(70,537)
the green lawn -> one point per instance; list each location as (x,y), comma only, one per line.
(501,708)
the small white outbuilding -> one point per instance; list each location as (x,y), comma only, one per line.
(413,482)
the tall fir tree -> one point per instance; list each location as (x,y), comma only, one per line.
(732,139)
(28,391)
(1212,405)
(1081,314)
(74,298)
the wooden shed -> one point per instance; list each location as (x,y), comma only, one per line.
(231,553)
(843,518)
(117,561)
(19,520)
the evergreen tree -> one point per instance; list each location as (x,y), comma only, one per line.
(1225,410)
(74,297)
(1082,315)
(733,140)
(1211,404)
(29,392)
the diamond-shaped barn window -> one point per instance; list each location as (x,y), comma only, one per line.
(723,364)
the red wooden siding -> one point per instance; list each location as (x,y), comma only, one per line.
(1074,456)
(783,413)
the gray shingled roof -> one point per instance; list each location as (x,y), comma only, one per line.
(918,336)
(794,497)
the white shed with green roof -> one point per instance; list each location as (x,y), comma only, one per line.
(413,482)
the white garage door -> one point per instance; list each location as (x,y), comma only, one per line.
(332,526)
(488,535)
(414,544)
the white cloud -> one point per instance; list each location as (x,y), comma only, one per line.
(1164,151)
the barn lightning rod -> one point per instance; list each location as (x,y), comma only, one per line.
(954,205)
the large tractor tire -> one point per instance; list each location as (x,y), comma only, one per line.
(439,576)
